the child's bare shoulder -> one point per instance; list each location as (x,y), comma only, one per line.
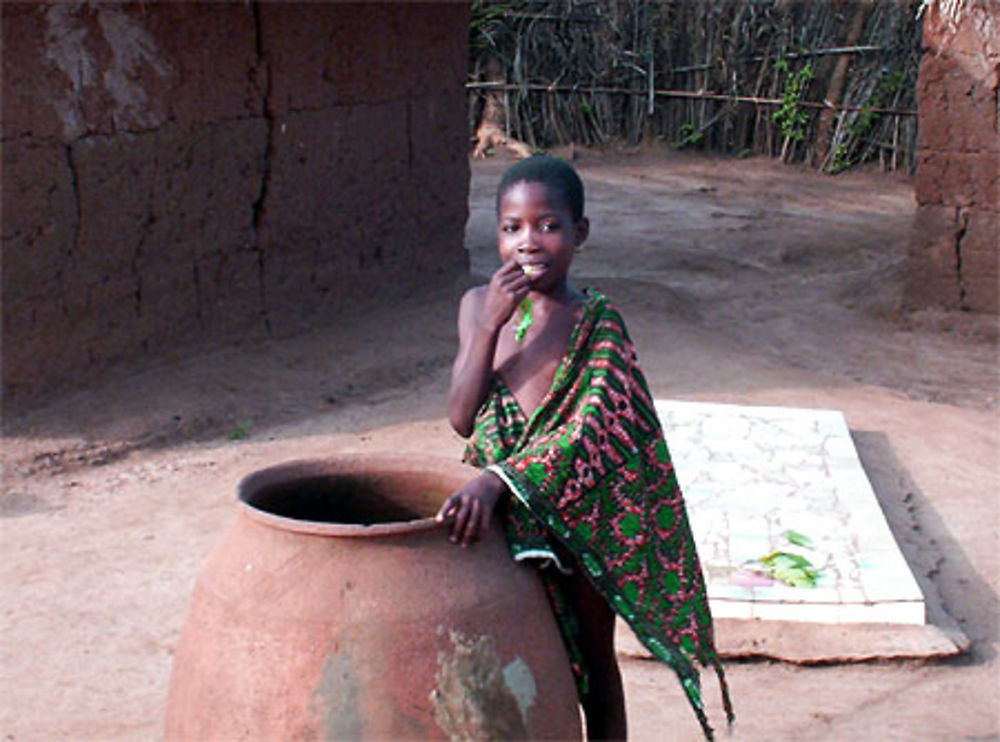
(469,310)
(472,300)
(476,293)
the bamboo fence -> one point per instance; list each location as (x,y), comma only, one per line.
(830,83)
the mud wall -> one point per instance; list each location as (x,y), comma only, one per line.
(179,173)
(956,245)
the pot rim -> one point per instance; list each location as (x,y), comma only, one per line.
(347,464)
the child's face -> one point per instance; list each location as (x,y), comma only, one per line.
(538,231)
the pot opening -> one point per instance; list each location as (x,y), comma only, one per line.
(342,498)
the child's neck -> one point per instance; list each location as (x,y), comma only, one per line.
(561,293)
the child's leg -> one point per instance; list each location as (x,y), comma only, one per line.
(604,704)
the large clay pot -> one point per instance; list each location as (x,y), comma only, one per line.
(336,608)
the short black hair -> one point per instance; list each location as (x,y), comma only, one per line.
(555,174)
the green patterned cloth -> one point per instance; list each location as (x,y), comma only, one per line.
(591,474)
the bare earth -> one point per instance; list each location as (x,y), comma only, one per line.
(742,281)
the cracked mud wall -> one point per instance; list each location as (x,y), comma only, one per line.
(188,173)
(956,246)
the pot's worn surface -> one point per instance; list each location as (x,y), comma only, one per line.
(336,608)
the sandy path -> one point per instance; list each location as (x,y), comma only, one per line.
(741,281)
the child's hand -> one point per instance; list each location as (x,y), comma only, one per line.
(470,509)
(508,286)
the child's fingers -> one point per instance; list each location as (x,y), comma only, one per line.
(469,510)
(506,290)
(447,510)
(509,272)
(461,522)
(472,527)
(511,267)
(515,285)
(516,289)
(486,517)
(521,284)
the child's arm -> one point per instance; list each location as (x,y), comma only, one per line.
(480,316)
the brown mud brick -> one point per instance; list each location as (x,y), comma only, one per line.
(84,348)
(233,167)
(290,298)
(935,84)
(38,235)
(958,164)
(115,179)
(985,173)
(202,193)
(969,34)
(932,169)
(979,253)
(31,81)
(164,301)
(114,300)
(83,69)
(335,59)
(959,78)
(105,345)
(74,296)
(363,223)
(932,278)
(351,151)
(230,290)
(195,37)
(974,118)
(957,178)
(330,61)
(220,178)
(29,319)
(428,124)
(972,39)
(953,259)
(956,110)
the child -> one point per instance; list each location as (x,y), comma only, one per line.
(547,385)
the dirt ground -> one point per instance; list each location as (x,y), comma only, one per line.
(742,281)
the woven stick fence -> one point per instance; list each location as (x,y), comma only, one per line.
(830,83)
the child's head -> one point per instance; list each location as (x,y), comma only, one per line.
(540,221)
(558,176)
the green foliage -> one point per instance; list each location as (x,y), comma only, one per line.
(690,134)
(841,158)
(551,55)
(791,569)
(790,117)
(486,22)
(239,432)
(525,308)
(798,539)
(851,150)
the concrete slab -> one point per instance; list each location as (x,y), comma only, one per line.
(759,481)
(805,643)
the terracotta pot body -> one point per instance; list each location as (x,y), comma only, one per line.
(335,608)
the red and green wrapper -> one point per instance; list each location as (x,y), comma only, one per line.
(590,473)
